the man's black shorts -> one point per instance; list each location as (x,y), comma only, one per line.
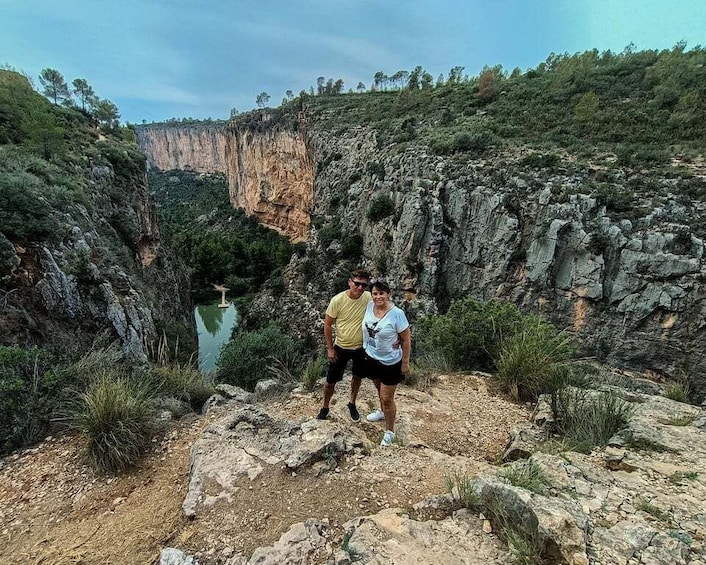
(389,375)
(336,368)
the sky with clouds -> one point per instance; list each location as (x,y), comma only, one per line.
(158,59)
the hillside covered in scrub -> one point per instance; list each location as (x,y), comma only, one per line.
(82,263)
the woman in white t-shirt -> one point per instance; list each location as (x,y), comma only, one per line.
(387,343)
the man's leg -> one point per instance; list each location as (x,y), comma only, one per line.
(355,387)
(333,375)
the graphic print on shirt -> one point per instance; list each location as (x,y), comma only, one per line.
(372,332)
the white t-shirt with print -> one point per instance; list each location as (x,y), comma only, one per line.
(381,334)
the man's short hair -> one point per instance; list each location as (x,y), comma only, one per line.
(360,274)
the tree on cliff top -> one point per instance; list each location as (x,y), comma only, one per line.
(107,114)
(55,86)
(83,91)
(262,99)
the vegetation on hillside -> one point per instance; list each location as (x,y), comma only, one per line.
(219,243)
(643,105)
(69,176)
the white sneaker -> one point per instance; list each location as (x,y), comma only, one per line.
(375,416)
(387,439)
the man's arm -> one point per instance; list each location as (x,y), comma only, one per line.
(328,337)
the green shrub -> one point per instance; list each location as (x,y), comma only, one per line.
(23,213)
(375,168)
(540,160)
(521,535)
(531,362)
(24,409)
(598,243)
(681,244)
(640,155)
(115,415)
(644,505)
(615,198)
(314,370)
(381,207)
(679,390)
(589,419)
(527,475)
(433,361)
(351,246)
(470,333)
(419,377)
(465,488)
(678,420)
(474,142)
(245,359)
(441,144)
(329,233)
(523,549)
(184,383)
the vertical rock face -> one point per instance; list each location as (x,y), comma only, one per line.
(199,148)
(271,175)
(270,172)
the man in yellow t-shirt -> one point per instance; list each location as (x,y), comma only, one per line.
(345,311)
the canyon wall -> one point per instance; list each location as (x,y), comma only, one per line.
(198,148)
(626,280)
(270,171)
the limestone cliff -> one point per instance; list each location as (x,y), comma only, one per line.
(270,171)
(626,279)
(199,148)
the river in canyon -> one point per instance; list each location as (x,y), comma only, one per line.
(214,326)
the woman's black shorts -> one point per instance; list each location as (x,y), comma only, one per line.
(389,375)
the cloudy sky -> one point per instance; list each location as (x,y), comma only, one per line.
(158,59)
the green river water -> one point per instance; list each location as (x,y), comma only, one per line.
(214,326)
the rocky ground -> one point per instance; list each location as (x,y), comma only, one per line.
(56,510)
(259,481)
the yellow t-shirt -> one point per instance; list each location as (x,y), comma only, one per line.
(348,318)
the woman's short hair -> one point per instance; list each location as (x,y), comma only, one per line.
(381,285)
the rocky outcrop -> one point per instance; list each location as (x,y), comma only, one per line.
(637,501)
(391,536)
(107,273)
(630,289)
(198,148)
(247,441)
(271,176)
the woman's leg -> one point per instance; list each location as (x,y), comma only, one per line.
(387,401)
(376,382)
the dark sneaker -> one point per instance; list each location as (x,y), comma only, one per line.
(323,414)
(355,416)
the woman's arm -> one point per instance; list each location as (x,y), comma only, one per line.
(406,342)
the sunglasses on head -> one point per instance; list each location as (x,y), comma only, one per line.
(360,284)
